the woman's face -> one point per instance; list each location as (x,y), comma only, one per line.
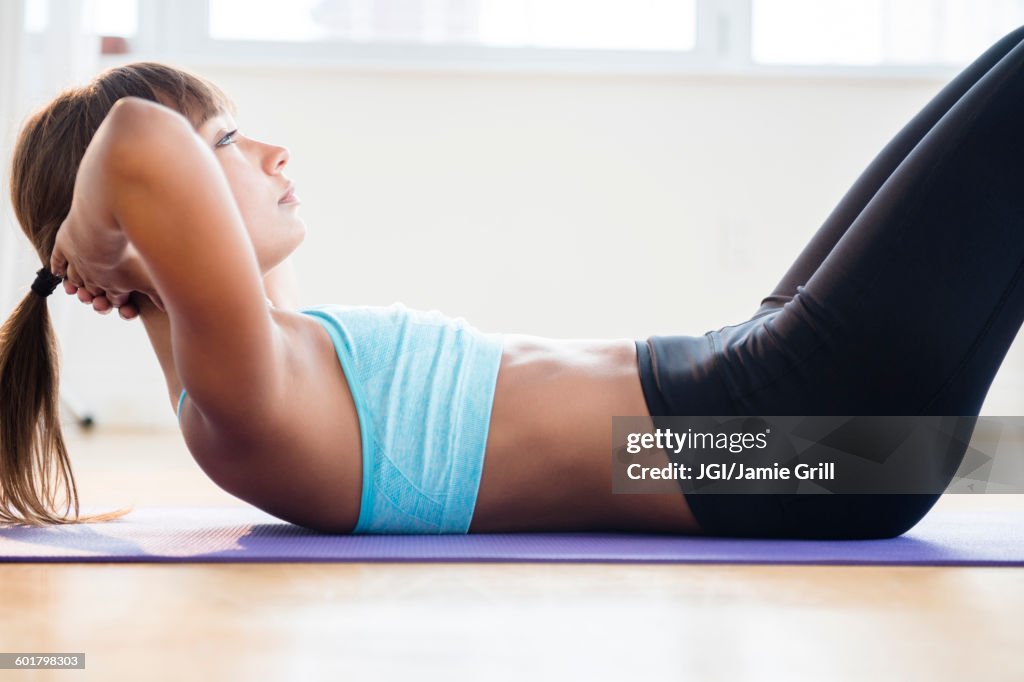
(254,171)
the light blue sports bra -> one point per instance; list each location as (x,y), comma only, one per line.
(423,386)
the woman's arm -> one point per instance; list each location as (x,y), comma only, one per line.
(149,179)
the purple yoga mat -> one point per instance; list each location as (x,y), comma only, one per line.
(224,534)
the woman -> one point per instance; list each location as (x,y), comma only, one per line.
(382,419)
(173,203)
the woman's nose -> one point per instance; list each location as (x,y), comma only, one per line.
(276,158)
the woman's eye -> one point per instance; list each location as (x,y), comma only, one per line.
(227,139)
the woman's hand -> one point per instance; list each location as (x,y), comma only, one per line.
(91,251)
(100,266)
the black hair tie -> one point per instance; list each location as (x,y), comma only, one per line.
(45,282)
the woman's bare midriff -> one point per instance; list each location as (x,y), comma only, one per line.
(548,464)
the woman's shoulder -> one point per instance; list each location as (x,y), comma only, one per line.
(305,466)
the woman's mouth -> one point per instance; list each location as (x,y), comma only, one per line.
(289,197)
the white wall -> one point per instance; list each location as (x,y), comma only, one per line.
(561,205)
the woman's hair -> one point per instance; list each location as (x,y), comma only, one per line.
(33,458)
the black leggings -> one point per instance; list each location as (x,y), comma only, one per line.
(904,302)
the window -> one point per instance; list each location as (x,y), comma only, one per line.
(108,17)
(872,32)
(582,24)
(116,17)
(873,37)
(37,15)
(116,21)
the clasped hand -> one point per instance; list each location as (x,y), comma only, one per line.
(100,265)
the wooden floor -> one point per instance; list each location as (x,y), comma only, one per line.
(492,621)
